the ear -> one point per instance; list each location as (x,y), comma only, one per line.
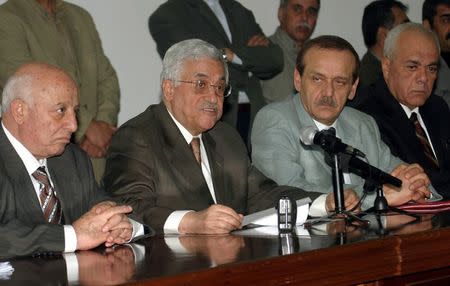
(167,89)
(386,67)
(297,80)
(426,24)
(281,15)
(382,34)
(353,90)
(19,110)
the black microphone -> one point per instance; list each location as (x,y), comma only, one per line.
(327,140)
(367,171)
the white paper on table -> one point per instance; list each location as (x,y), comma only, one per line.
(269,217)
(6,270)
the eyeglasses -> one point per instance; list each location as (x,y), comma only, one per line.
(202,87)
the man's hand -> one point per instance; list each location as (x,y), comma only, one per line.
(93,229)
(414,185)
(258,40)
(99,133)
(217,219)
(350,201)
(92,150)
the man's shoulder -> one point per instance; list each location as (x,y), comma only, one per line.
(76,11)
(281,109)
(355,116)
(148,122)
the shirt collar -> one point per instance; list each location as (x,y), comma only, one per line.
(30,162)
(409,111)
(186,134)
(322,126)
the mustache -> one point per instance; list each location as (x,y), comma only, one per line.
(327,101)
(209,105)
(304,25)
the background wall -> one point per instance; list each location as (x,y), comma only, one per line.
(127,42)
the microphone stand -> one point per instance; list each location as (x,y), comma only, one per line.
(380,205)
(338,190)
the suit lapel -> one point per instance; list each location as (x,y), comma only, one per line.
(205,12)
(304,120)
(188,173)
(433,127)
(217,170)
(65,186)
(27,203)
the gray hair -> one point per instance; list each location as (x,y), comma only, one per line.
(192,49)
(390,43)
(18,86)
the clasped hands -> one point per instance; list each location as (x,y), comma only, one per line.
(97,138)
(105,223)
(415,185)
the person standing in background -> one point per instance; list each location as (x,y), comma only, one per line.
(297,19)
(64,35)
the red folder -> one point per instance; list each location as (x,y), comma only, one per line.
(430,207)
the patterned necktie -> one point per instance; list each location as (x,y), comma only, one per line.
(195,146)
(49,202)
(421,135)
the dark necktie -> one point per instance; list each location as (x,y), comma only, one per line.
(422,136)
(49,202)
(195,146)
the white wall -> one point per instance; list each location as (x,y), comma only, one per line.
(123,29)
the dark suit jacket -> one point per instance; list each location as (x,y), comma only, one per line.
(178,20)
(398,132)
(22,227)
(151,167)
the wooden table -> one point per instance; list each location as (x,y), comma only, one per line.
(395,255)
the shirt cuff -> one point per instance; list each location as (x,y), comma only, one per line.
(138,229)
(236,60)
(318,206)
(173,221)
(70,239)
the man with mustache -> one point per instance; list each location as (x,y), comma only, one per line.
(326,76)
(297,22)
(413,122)
(179,167)
(379,17)
(436,16)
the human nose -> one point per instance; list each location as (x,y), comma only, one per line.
(422,75)
(71,122)
(329,89)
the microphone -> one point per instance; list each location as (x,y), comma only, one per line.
(327,140)
(367,171)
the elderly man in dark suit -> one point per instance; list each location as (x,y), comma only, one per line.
(229,26)
(181,168)
(47,187)
(413,122)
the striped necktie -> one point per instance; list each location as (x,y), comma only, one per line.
(422,136)
(49,202)
(195,146)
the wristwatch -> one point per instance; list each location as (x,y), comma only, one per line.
(224,55)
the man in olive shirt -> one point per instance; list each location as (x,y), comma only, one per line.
(64,35)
